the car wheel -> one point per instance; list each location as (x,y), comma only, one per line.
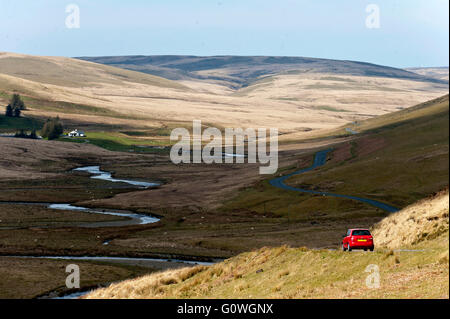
(371,248)
(343,248)
(349,247)
(365,249)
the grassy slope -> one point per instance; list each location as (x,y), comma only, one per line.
(387,165)
(113,139)
(384,163)
(301,273)
(79,88)
(430,108)
(419,222)
(43,82)
(399,159)
(72,72)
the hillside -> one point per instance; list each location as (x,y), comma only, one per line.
(68,72)
(426,220)
(429,108)
(301,273)
(439,73)
(401,159)
(241,71)
(397,159)
(307,95)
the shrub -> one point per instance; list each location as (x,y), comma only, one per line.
(15,106)
(9,111)
(52,129)
(23,134)
(16,112)
(17,103)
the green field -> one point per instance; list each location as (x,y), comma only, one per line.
(14,124)
(116,141)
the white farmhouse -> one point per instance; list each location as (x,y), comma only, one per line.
(77,133)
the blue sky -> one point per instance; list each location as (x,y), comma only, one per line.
(411,33)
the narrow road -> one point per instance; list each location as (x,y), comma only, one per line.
(320,160)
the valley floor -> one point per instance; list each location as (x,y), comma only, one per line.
(220,210)
(417,266)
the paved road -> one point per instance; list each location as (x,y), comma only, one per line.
(320,160)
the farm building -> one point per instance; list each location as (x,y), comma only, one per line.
(77,133)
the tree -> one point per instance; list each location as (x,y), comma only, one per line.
(15,106)
(16,112)
(52,129)
(33,134)
(9,111)
(16,102)
(21,134)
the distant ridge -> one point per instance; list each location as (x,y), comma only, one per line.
(240,71)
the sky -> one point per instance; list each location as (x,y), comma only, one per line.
(401,33)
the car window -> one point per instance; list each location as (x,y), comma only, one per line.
(361,233)
(348,232)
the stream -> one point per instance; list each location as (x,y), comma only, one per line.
(135,219)
(107,176)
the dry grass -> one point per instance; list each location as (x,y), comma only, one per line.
(16,216)
(306,100)
(155,284)
(30,159)
(301,273)
(440,73)
(422,221)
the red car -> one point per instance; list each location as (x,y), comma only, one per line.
(357,239)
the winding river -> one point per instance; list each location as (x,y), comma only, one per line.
(107,176)
(319,160)
(135,219)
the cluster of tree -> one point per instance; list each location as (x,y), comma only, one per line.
(23,134)
(15,106)
(52,129)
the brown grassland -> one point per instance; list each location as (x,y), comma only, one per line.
(299,104)
(283,272)
(219,210)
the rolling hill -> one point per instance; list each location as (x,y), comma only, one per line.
(401,159)
(439,73)
(296,95)
(241,71)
